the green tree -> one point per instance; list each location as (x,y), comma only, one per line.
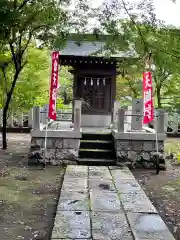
(21,22)
(66,83)
(147,36)
(33,82)
(129,81)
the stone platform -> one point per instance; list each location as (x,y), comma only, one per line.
(104,203)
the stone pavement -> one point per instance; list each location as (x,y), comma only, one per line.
(105,203)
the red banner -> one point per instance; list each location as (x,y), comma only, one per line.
(148,98)
(53,86)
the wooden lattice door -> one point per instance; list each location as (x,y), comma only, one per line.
(96,93)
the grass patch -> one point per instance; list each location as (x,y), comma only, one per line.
(172,145)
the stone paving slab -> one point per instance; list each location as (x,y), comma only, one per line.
(99,171)
(79,171)
(137,202)
(75,184)
(128,186)
(72,195)
(118,173)
(81,204)
(70,233)
(102,185)
(148,226)
(101,203)
(110,225)
(71,224)
(104,201)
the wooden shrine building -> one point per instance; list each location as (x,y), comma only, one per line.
(95,71)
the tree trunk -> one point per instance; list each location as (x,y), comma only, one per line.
(5,110)
(4,130)
(158,94)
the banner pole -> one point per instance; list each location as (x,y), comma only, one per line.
(46,131)
(51,111)
(45,143)
(156,124)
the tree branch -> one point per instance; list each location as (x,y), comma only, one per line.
(23,4)
(5,78)
(27,43)
(142,37)
(138,28)
(13,55)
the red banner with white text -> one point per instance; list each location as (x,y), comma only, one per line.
(148,98)
(53,86)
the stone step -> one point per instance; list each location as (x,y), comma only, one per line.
(96,162)
(97,136)
(96,153)
(96,144)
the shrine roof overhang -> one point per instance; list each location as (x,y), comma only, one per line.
(95,51)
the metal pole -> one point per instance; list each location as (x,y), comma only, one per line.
(156,121)
(46,133)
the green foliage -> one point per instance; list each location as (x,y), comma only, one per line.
(129,81)
(33,82)
(66,83)
(32,88)
(147,36)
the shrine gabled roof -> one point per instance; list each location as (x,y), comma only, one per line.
(95,49)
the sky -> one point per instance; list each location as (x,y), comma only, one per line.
(166,10)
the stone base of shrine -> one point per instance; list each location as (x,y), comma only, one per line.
(61,147)
(138,150)
(95,120)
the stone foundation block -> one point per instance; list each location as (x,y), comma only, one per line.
(139,154)
(68,154)
(71,143)
(137,145)
(58,143)
(59,151)
(123,145)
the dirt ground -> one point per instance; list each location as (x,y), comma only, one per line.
(164,189)
(28,196)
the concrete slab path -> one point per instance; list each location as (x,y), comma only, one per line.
(105,203)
